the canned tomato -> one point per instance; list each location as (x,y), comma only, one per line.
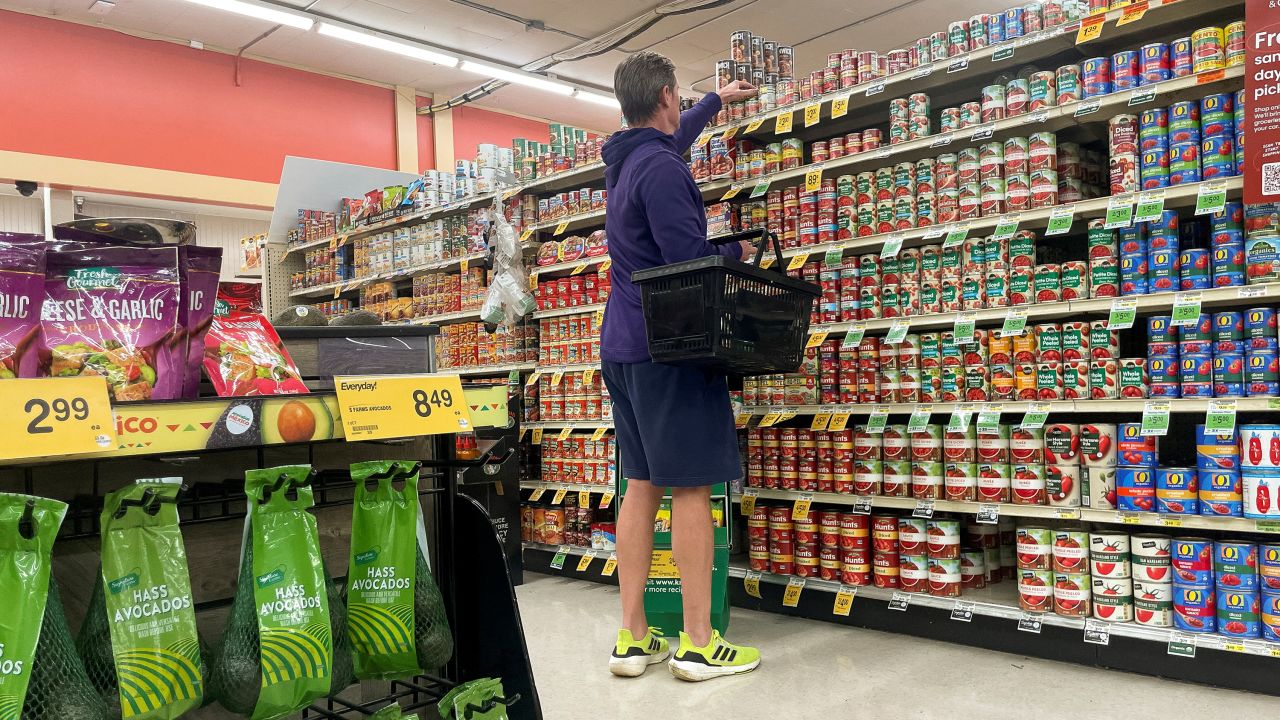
(1151,556)
(1269,568)
(913,573)
(912,536)
(1026,445)
(1208,50)
(1193,561)
(1095,76)
(1113,599)
(1261,496)
(1217,157)
(1154,64)
(1098,444)
(1042,90)
(1135,489)
(943,538)
(1235,565)
(1134,380)
(1134,448)
(1221,493)
(1217,452)
(1071,594)
(944,577)
(1260,328)
(1068,79)
(1028,485)
(1234,43)
(1062,444)
(1228,375)
(1070,551)
(1034,548)
(1016,96)
(1194,608)
(1262,258)
(1152,603)
(896,481)
(1035,590)
(1239,613)
(1109,554)
(1177,491)
(1262,373)
(1124,70)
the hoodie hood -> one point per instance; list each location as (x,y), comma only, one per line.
(620,145)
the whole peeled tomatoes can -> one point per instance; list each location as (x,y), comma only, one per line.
(1071,551)
(1260,446)
(1071,594)
(1034,548)
(1035,590)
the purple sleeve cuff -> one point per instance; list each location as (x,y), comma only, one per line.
(695,119)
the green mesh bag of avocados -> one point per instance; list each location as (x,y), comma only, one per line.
(41,677)
(395,614)
(138,640)
(285,642)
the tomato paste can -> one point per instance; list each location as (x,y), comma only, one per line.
(1193,561)
(1135,489)
(1208,50)
(1235,565)
(1109,554)
(1035,590)
(1194,608)
(1027,482)
(1151,556)
(1177,491)
(1070,551)
(1113,599)
(1071,594)
(1180,63)
(1221,493)
(1154,64)
(912,536)
(1095,77)
(1239,612)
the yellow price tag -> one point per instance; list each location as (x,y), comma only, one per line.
(533,378)
(813,179)
(559,496)
(730,132)
(333,243)
(703,138)
(838,421)
(377,407)
(564,225)
(769,419)
(537,436)
(523,430)
(536,495)
(840,107)
(584,498)
(588,376)
(741,419)
(749,496)
(1090,29)
(599,434)
(766,262)
(510,193)
(585,562)
(608,263)
(599,317)
(337,291)
(1171,521)
(798,261)
(56,416)
(1233,646)
(754,125)
(464,263)
(820,421)
(528,233)
(610,565)
(606,500)
(816,339)
(800,510)
(844,601)
(577,269)
(1132,13)
(791,595)
(812,114)
(556,377)
(783,123)
(565,432)
(533,280)
(731,193)
(751,583)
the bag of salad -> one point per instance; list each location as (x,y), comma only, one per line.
(395,614)
(138,640)
(41,677)
(21,294)
(285,642)
(113,311)
(199,268)
(243,355)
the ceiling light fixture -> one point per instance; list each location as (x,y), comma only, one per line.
(517,78)
(378,42)
(597,98)
(240,7)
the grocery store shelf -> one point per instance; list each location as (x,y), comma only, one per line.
(575,367)
(1000,601)
(394,275)
(1232,524)
(558,312)
(573,222)
(567,549)
(1146,304)
(574,178)
(570,265)
(489,369)
(407,219)
(448,318)
(570,424)
(567,487)
(1046,120)
(1134,405)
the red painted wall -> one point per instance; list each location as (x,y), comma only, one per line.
(426,138)
(472,126)
(94,94)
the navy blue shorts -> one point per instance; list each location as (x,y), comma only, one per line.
(674,424)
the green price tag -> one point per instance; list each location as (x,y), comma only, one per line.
(1007,227)
(919,419)
(557,562)
(1119,212)
(1003,53)
(1211,198)
(833,258)
(897,332)
(1123,313)
(892,247)
(878,418)
(955,236)
(989,419)
(854,337)
(1182,645)
(1015,323)
(1186,309)
(1060,221)
(960,418)
(760,189)
(1150,206)
(1155,418)
(963,328)
(1221,418)
(1035,416)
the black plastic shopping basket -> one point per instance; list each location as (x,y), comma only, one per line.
(726,314)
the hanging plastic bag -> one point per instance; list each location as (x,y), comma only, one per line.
(285,641)
(395,614)
(138,640)
(508,297)
(41,677)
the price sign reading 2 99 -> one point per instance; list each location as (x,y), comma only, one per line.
(395,406)
(55,416)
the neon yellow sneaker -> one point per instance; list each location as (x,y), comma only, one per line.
(632,657)
(718,658)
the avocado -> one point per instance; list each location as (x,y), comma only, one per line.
(239,425)
(296,420)
(356,317)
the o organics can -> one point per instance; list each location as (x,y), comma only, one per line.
(1270,616)
(1136,450)
(1228,375)
(1193,561)
(1124,70)
(1221,493)
(1180,64)
(1262,373)
(1261,496)
(1113,599)
(1260,328)
(1151,556)
(1152,603)
(1235,565)
(1028,484)
(1269,567)
(1262,258)
(1194,608)
(1071,551)
(1071,594)
(1239,613)
(1135,489)
(1109,554)
(1177,491)
(1095,76)
(1035,590)
(1154,64)
(1034,548)
(1217,157)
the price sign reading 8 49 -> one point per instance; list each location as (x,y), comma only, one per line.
(55,416)
(392,406)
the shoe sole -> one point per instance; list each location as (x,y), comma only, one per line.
(635,665)
(697,672)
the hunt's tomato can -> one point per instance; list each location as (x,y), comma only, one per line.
(886,571)
(1027,483)
(1113,599)
(1109,554)
(1035,590)
(1195,608)
(1221,493)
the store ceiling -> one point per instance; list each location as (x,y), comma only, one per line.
(486,28)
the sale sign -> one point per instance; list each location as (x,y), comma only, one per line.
(1262,102)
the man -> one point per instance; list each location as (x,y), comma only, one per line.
(674,425)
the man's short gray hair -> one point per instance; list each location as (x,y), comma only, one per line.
(638,81)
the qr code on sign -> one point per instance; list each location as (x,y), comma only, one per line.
(1271,178)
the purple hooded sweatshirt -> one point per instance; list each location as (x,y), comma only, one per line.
(655,217)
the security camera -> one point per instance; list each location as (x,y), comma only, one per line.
(26,188)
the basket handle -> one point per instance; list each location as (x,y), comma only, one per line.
(765,237)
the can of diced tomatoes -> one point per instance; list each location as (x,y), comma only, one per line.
(1035,590)
(886,570)
(1109,554)
(1195,608)
(1235,564)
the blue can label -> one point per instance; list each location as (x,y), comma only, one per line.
(1197,389)
(1260,323)
(1270,616)
(1235,565)
(1160,329)
(1239,613)
(1194,608)
(1228,325)
(1162,369)
(1269,568)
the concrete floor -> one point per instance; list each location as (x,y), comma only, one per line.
(813,669)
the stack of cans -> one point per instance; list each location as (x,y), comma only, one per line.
(1260,468)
